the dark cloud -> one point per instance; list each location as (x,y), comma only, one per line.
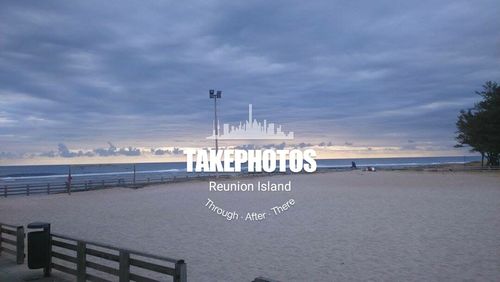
(64,152)
(380,72)
(159,152)
(112,150)
(174,151)
(177,151)
(303,145)
(326,144)
(247,147)
(278,146)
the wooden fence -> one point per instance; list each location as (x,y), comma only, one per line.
(76,186)
(90,261)
(111,262)
(12,236)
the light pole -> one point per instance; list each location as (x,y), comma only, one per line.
(216,95)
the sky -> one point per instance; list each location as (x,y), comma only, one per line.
(128,81)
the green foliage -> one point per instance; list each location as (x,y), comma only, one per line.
(479,127)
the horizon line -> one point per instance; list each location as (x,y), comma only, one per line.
(146,162)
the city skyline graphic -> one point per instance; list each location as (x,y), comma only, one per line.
(251,129)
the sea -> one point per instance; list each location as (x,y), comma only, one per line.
(39,174)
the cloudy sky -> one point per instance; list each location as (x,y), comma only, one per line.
(104,81)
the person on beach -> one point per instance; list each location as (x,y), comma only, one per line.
(353,165)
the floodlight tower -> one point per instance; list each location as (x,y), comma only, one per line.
(216,95)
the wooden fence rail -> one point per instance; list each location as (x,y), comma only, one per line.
(76,186)
(118,263)
(115,262)
(13,236)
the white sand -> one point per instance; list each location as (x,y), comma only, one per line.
(345,226)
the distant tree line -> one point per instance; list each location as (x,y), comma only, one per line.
(479,127)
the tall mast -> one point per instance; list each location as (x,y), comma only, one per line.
(250,120)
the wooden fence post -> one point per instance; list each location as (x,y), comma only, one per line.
(81,271)
(180,274)
(134,174)
(48,269)
(124,271)
(20,245)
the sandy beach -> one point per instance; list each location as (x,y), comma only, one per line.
(344,226)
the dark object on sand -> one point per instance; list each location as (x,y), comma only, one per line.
(353,165)
(370,168)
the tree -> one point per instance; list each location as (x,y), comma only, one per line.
(479,127)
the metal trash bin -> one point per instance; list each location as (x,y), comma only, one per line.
(39,247)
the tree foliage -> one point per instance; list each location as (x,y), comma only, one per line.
(479,127)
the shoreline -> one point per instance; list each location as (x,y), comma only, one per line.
(17,189)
